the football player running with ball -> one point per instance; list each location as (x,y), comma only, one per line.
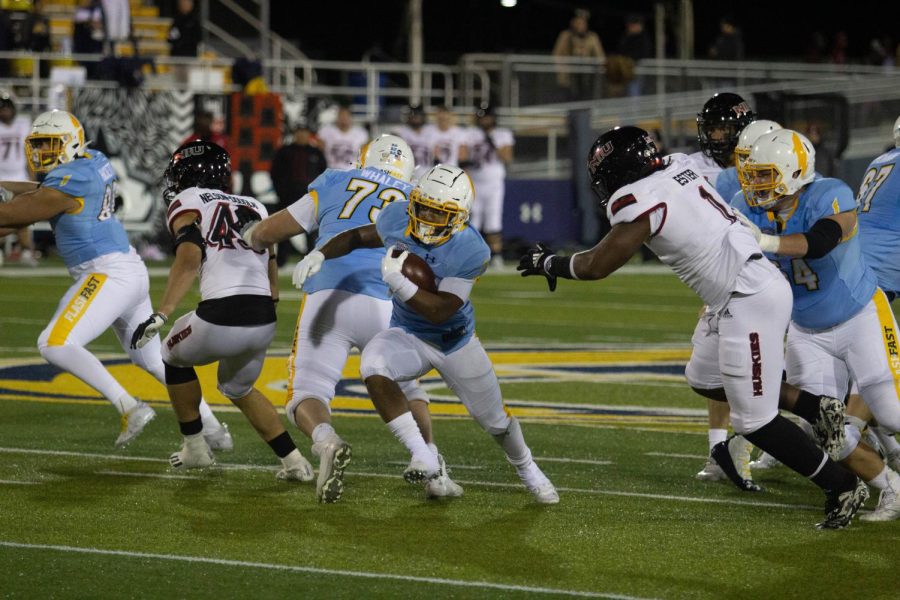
(667,204)
(235,320)
(111,288)
(346,303)
(433,330)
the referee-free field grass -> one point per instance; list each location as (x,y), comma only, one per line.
(594,371)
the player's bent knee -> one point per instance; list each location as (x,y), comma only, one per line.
(370,366)
(290,407)
(234,391)
(178,375)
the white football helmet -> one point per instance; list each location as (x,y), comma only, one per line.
(750,134)
(780,164)
(440,204)
(897,133)
(56,137)
(388,153)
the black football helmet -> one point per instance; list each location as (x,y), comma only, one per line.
(621,156)
(197,164)
(728,112)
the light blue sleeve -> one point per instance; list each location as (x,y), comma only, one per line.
(74,179)
(833,196)
(475,259)
(392,221)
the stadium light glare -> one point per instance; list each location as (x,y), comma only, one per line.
(508,3)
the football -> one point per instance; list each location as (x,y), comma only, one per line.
(417,270)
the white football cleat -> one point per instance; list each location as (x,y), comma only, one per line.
(421,469)
(537,483)
(888,508)
(711,471)
(334,457)
(193,455)
(764,461)
(133,423)
(442,486)
(220,439)
(295,468)
(733,458)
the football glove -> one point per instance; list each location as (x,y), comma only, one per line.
(5,195)
(307,267)
(392,274)
(535,262)
(246,218)
(147,330)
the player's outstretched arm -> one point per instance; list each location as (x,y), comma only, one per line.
(273,229)
(273,272)
(823,237)
(341,244)
(613,251)
(35,205)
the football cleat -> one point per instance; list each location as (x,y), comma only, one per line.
(538,484)
(420,471)
(829,426)
(220,439)
(841,506)
(133,423)
(334,456)
(193,455)
(710,471)
(764,461)
(442,486)
(733,457)
(888,508)
(295,469)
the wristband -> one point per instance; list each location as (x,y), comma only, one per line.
(769,243)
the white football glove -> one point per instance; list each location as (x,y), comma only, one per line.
(5,195)
(307,267)
(392,274)
(147,330)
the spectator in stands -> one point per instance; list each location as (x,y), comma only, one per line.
(578,41)
(729,45)
(87,30)
(294,166)
(448,137)
(341,141)
(37,29)
(203,130)
(117,25)
(636,45)
(184,34)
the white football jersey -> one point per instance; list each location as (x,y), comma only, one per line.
(693,230)
(341,148)
(484,154)
(12,150)
(420,141)
(230,266)
(709,168)
(445,144)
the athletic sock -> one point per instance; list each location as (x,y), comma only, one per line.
(292,459)
(887,439)
(86,367)
(405,429)
(513,443)
(210,422)
(282,444)
(124,403)
(716,436)
(433,448)
(787,443)
(880,481)
(322,432)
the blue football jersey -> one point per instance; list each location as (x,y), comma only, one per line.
(879,219)
(91,230)
(465,255)
(727,183)
(346,200)
(828,290)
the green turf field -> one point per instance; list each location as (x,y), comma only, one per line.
(593,371)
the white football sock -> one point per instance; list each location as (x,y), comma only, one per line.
(86,367)
(433,449)
(124,403)
(322,432)
(292,460)
(513,443)
(716,436)
(210,422)
(880,481)
(888,441)
(405,429)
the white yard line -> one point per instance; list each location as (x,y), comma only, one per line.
(577,461)
(488,484)
(670,455)
(152,475)
(313,570)
(18,482)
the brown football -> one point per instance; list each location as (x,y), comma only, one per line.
(417,270)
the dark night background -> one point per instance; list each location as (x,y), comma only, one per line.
(771,30)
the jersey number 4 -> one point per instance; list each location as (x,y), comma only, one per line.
(362,189)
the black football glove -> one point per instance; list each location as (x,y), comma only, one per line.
(246,217)
(147,330)
(535,261)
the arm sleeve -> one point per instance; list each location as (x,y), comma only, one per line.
(457,286)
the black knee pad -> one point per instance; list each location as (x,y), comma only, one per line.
(177,375)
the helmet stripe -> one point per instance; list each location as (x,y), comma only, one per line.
(800,151)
